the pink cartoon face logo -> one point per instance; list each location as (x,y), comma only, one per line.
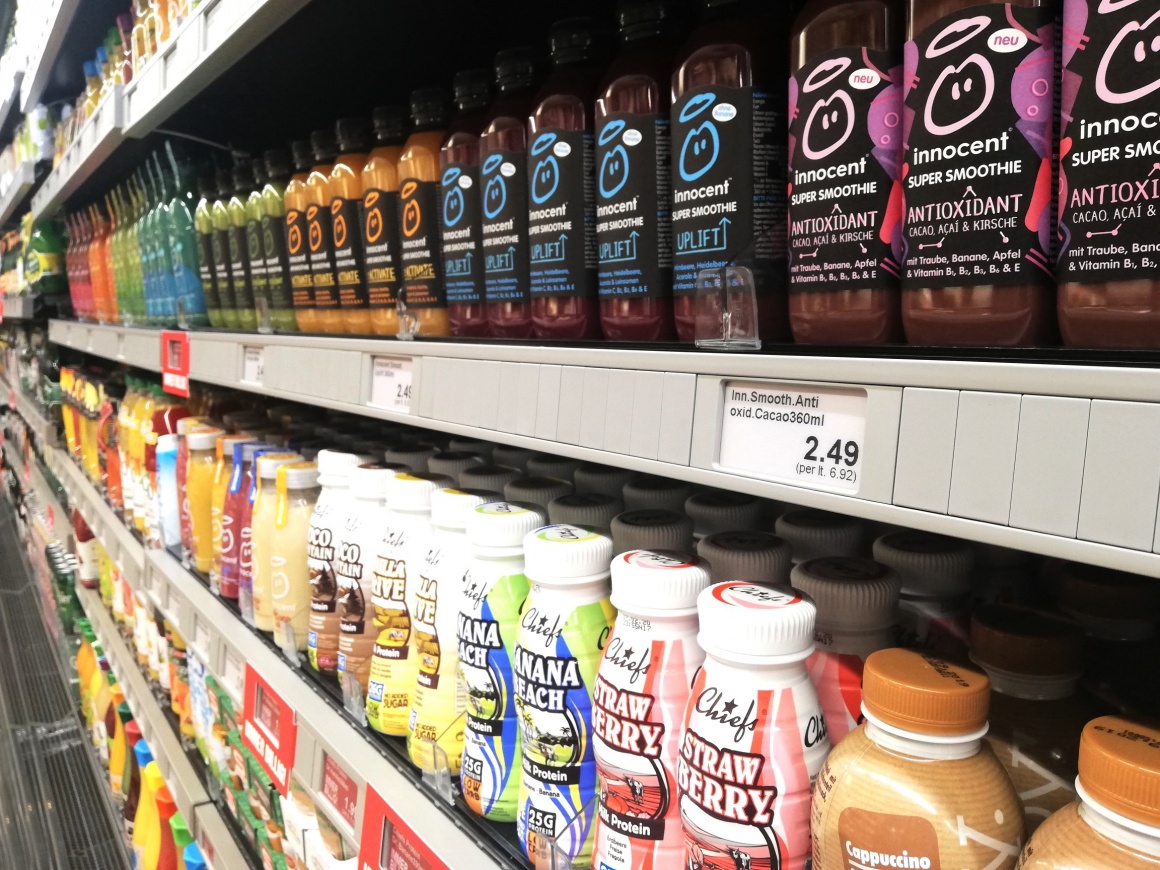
(824,73)
(829,125)
(1130,68)
(959,95)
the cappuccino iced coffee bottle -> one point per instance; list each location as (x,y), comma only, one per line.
(979,178)
(857,602)
(754,736)
(1116,823)
(642,688)
(915,785)
(1034,662)
(845,149)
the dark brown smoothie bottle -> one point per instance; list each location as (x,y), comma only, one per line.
(729,161)
(845,158)
(634,200)
(561,187)
(979,173)
(459,217)
(503,147)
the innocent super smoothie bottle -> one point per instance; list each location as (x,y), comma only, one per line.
(297,246)
(346,195)
(379,216)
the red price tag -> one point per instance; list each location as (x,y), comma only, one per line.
(175,362)
(269,729)
(339,789)
(388,844)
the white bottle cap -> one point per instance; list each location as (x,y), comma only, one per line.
(652,530)
(167,443)
(590,477)
(516,457)
(566,555)
(186,423)
(537,490)
(450,507)
(249,448)
(850,594)
(412,492)
(719,511)
(549,465)
(472,445)
(370,481)
(755,557)
(414,456)
(301,475)
(814,534)
(503,525)
(269,463)
(752,623)
(585,509)
(929,565)
(203,439)
(656,493)
(334,466)
(453,464)
(494,477)
(644,581)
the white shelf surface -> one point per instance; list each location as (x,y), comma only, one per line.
(36,419)
(58,15)
(215,633)
(1021,455)
(13,195)
(11,95)
(94,142)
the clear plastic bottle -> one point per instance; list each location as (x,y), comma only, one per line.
(220,248)
(319,235)
(262,527)
(272,208)
(346,196)
(379,216)
(207,267)
(297,241)
(255,256)
(297,490)
(239,248)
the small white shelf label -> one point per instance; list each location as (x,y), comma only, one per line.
(391,383)
(808,435)
(252,365)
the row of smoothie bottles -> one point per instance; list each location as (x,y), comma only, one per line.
(134,260)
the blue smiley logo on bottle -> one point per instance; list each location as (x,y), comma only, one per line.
(495,191)
(453,203)
(613,174)
(702,144)
(546,174)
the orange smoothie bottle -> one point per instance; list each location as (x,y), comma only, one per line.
(379,218)
(319,234)
(423,290)
(301,282)
(346,193)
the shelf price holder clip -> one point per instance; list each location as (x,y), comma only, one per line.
(175,362)
(269,729)
(387,841)
(391,383)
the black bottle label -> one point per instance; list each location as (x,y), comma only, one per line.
(979,170)
(504,176)
(562,214)
(379,219)
(209,287)
(220,245)
(277,264)
(1110,142)
(346,229)
(845,153)
(419,234)
(634,206)
(321,243)
(461,234)
(298,259)
(240,268)
(257,260)
(729,185)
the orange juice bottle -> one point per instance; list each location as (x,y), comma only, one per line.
(319,233)
(297,250)
(97,268)
(380,218)
(423,291)
(141,496)
(346,193)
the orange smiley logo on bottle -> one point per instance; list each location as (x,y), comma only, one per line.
(374,224)
(315,229)
(338,228)
(293,233)
(412,218)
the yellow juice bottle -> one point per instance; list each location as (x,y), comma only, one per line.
(147,824)
(262,534)
(297,488)
(199,488)
(86,661)
(117,745)
(145,409)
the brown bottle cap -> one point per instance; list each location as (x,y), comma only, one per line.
(923,694)
(1024,641)
(816,534)
(1119,767)
(1092,591)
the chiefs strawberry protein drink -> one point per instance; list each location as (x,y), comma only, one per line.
(641,692)
(754,735)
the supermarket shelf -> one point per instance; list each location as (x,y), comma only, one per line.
(38,422)
(183,779)
(59,16)
(11,96)
(1025,455)
(17,306)
(217,34)
(56,515)
(13,196)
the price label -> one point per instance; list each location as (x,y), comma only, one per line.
(391,383)
(120,345)
(269,729)
(807,435)
(387,843)
(234,677)
(201,636)
(252,365)
(175,362)
(339,789)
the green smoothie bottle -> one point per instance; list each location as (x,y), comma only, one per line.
(273,211)
(259,282)
(183,248)
(146,244)
(203,223)
(44,260)
(164,308)
(221,250)
(243,178)
(121,278)
(136,268)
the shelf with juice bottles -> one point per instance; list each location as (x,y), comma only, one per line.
(185,782)
(1021,454)
(328,736)
(40,421)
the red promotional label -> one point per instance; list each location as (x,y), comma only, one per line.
(175,362)
(269,729)
(339,789)
(387,842)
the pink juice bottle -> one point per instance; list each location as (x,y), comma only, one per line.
(642,688)
(235,515)
(248,485)
(754,736)
(184,425)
